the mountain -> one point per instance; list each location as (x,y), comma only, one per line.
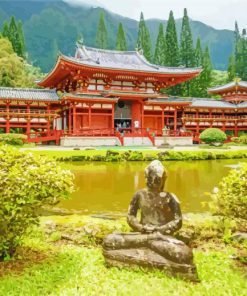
(54,25)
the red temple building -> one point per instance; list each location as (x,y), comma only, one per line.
(103,97)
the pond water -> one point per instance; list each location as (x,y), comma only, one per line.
(109,187)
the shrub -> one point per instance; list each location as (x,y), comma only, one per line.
(213,135)
(243,139)
(13,139)
(27,182)
(231,198)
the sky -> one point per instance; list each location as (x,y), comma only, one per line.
(220,14)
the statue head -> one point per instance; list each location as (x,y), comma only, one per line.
(155,175)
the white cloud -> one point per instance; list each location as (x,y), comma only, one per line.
(220,14)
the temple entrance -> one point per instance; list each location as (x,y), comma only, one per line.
(123,116)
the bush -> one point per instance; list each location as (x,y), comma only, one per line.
(13,139)
(27,182)
(231,198)
(212,136)
(243,139)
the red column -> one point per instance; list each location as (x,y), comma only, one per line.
(112,116)
(197,122)
(28,120)
(90,115)
(70,123)
(74,119)
(175,121)
(48,120)
(7,119)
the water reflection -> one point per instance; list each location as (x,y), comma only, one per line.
(108,187)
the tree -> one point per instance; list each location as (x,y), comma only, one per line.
(186,43)
(187,55)
(172,49)
(27,183)
(121,40)
(14,71)
(144,40)
(160,48)
(22,40)
(231,71)
(206,75)
(195,84)
(101,35)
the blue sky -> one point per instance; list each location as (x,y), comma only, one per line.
(220,14)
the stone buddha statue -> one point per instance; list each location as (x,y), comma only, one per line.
(151,244)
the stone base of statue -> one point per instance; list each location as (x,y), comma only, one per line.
(153,251)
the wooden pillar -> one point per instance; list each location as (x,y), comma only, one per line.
(48,120)
(175,120)
(70,123)
(210,116)
(74,118)
(90,115)
(7,118)
(112,116)
(28,120)
(197,122)
(142,118)
(162,118)
(223,121)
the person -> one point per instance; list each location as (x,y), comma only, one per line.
(160,217)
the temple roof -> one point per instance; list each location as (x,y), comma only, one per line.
(125,60)
(28,94)
(203,103)
(229,86)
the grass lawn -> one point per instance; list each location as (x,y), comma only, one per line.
(57,268)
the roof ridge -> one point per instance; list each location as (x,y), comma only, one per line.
(27,89)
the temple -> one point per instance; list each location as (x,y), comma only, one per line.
(104,97)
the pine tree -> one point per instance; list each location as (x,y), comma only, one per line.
(121,40)
(5,31)
(101,35)
(231,68)
(160,48)
(206,75)
(172,49)
(144,40)
(22,40)
(195,84)
(198,53)
(186,43)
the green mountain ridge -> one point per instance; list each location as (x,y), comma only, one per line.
(50,26)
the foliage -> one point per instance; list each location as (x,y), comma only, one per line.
(14,32)
(160,48)
(101,35)
(121,39)
(14,72)
(231,198)
(13,139)
(172,49)
(27,182)
(213,135)
(143,39)
(231,70)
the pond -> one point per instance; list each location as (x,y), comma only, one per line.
(108,187)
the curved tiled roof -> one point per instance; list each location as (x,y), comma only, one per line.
(211,103)
(228,86)
(125,60)
(28,94)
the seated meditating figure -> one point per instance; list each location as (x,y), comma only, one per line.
(151,245)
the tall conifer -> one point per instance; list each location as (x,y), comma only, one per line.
(121,40)
(22,39)
(195,84)
(101,35)
(144,40)
(231,70)
(198,53)
(186,43)
(160,48)
(172,49)
(206,75)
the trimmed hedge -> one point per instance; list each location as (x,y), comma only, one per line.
(213,135)
(13,139)
(114,156)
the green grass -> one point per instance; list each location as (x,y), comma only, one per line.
(81,271)
(52,267)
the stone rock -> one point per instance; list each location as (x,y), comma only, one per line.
(239,236)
